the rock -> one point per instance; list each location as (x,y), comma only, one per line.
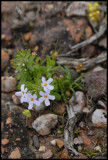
(88,32)
(97,68)
(53,142)
(101,104)
(2,150)
(4,141)
(15,154)
(40,108)
(80,148)
(2,126)
(45,123)
(27,36)
(16,99)
(96,83)
(78,140)
(4,59)
(9,120)
(90,133)
(8,84)
(18,139)
(60,143)
(6,33)
(36,141)
(60,108)
(65,154)
(77,9)
(81,124)
(76,28)
(103,42)
(80,102)
(99,118)
(81,156)
(31,15)
(87,141)
(42,149)
(47,155)
(97,148)
(90,51)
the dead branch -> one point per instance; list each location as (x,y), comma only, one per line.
(86,62)
(68,131)
(86,42)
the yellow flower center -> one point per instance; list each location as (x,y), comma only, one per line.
(23,93)
(32,99)
(45,96)
(45,84)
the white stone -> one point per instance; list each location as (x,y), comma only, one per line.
(53,142)
(98,117)
(80,102)
(45,123)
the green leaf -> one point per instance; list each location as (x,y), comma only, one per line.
(27,113)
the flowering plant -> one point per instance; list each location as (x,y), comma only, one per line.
(40,82)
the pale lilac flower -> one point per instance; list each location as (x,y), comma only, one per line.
(32,100)
(45,84)
(46,97)
(22,93)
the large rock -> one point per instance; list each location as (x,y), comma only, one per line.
(8,84)
(96,83)
(99,117)
(77,9)
(45,123)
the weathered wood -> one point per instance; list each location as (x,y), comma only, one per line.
(69,128)
(86,62)
(86,42)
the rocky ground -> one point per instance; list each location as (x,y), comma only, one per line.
(38,25)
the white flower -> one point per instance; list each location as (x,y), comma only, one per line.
(45,84)
(45,97)
(32,100)
(22,93)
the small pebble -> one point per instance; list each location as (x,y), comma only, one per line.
(47,155)
(42,149)
(97,148)
(79,148)
(53,142)
(9,120)
(90,133)
(36,141)
(4,141)
(60,143)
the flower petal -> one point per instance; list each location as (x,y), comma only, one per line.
(47,102)
(22,87)
(49,80)
(18,93)
(43,79)
(42,93)
(22,99)
(50,87)
(45,88)
(30,105)
(51,97)
(25,99)
(29,95)
(34,96)
(41,99)
(37,102)
(25,90)
(42,84)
